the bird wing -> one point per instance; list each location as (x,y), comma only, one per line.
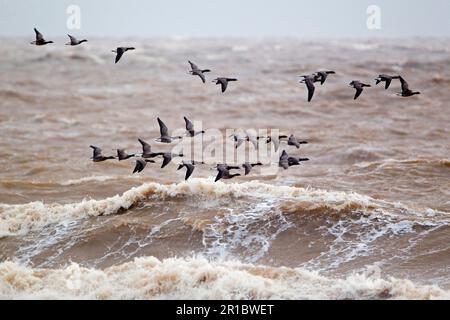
(405,86)
(189,169)
(253,140)
(201,75)
(121,154)
(146,148)
(73,40)
(359,90)
(140,165)
(167,158)
(239,142)
(247,168)
(223,84)
(221,171)
(311,88)
(193,66)
(97,151)
(276,144)
(388,83)
(163,128)
(39,36)
(119,54)
(293,142)
(189,125)
(284,163)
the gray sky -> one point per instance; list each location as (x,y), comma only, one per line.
(236,18)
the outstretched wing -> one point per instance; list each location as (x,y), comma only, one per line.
(119,54)
(146,148)
(220,173)
(247,167)
(405,86)
(189,169)
(189,126)
(163,128)
(140,165)
(359,90)
(167,157)
(388,83)
(223,84)
(39,36)
(193,66)
(311,88)
(201,75)
(72,39)
(97,151)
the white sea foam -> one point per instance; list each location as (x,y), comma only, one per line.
(197,278)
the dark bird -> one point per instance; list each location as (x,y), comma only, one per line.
(164,131)
(309,82)
(293,161)
(276,140)
(223,82)
(284,160)
(196,71)
(140,164)
(190,128)
(406,92)
(147,150)
(224,172)
(97,155)
(359,87)
(322,76)
(248,166)
(239,138)
(190,166)
(293,141)
(74,41)
(386,79)
(120,51)
(168,156)
(40,41)
(122,155)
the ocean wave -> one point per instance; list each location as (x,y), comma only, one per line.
(387,162)
(197,278)
(23,218)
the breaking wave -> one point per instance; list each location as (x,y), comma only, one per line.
(21,219)
(197,278)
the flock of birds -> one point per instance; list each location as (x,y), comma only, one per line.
(285,160)
(147,155)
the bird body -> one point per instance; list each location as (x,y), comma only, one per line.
(164,131)
(190,128)
(120,51)
(122,155)
(98,156)
(386,79)
(293,141)
(406,92)
(196,71)
(74,41)
(309,82)
(249,166)
(224,172)
(140,164)
(359,86)
(223,82)
(322,76)
(40,41)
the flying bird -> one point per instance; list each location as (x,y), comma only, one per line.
(147,150)
(309,82)
(120,51)
(190,128)
(248,166)
(98,156)
(167,157)
(276,140)
(122,155)
(223,82)
(359,86)
(386,79)
(196,71)
(164,131)
(322,76)
(190,166)
(293,141)
(40,41)
(224,172)
(140,164)
(406,92)
(74,41)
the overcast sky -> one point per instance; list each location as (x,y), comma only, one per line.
(236,18)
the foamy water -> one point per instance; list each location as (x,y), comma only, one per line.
(368,217)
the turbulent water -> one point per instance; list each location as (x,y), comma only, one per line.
(368,217)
